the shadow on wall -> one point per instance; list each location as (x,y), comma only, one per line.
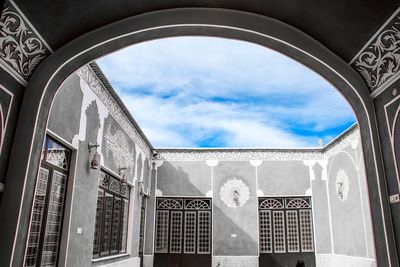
(65,112)
(175,181)
(230,237)
(321,212)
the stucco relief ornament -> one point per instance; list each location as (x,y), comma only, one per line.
(20,47)
(118,145)
(380,60)
(234,193)
(342,185)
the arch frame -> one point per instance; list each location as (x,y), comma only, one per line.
(50,74)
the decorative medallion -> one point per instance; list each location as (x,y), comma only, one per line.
(380,59)
(21,47)
(118,145)
(342,185)
(234,193)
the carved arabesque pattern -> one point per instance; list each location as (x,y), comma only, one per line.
(20,47)
(381,58)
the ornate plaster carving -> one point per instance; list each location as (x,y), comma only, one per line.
(21,47)
(238,155)
(234,193)
(257,156)
(379,61)
(87,74)
(347,140)
(118,145)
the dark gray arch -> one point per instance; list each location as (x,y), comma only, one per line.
(25,154)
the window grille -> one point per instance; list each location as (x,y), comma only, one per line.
(279,231)
(183,225)
(204,232)
(176,232)
(285,225)
(162,231)
(112,213)
(197,204)
(265,231)
(48,205)
(190,232)
(170,204)
(292,231)
(306,231)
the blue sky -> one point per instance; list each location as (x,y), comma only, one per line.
(215,92)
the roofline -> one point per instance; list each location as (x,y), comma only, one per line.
(117,99)
(155,150)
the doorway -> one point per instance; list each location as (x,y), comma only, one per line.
(286,231)
(183,232)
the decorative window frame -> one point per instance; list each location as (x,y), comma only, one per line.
(129,221)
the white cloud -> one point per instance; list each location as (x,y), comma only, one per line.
(183,90)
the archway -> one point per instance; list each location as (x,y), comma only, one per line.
(179,22)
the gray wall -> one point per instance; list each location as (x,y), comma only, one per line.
(352,233)
(341,227)
(235,229)
(321,211)
(283,178)
(65,113)
(184,178)
(65,121)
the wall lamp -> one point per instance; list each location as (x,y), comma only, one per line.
(94,158)
(142,193)
(122,171)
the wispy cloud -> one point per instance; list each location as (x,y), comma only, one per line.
(197,91)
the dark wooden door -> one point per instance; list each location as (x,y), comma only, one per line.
(183,232)
(286,231)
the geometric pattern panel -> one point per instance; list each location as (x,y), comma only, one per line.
(296,203)
(306,231)
(292,231)
(197,204)
(279,231)
(162,221)
(272,203)
(265,231)
(169,204)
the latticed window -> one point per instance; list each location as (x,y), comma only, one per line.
(183,226)
(285,225)
(111,227)
(48,205)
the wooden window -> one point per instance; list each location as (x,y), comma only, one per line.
(111,226)
(285,225)
(48,206)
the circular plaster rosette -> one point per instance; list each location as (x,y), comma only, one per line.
(234,193)
(342,185)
